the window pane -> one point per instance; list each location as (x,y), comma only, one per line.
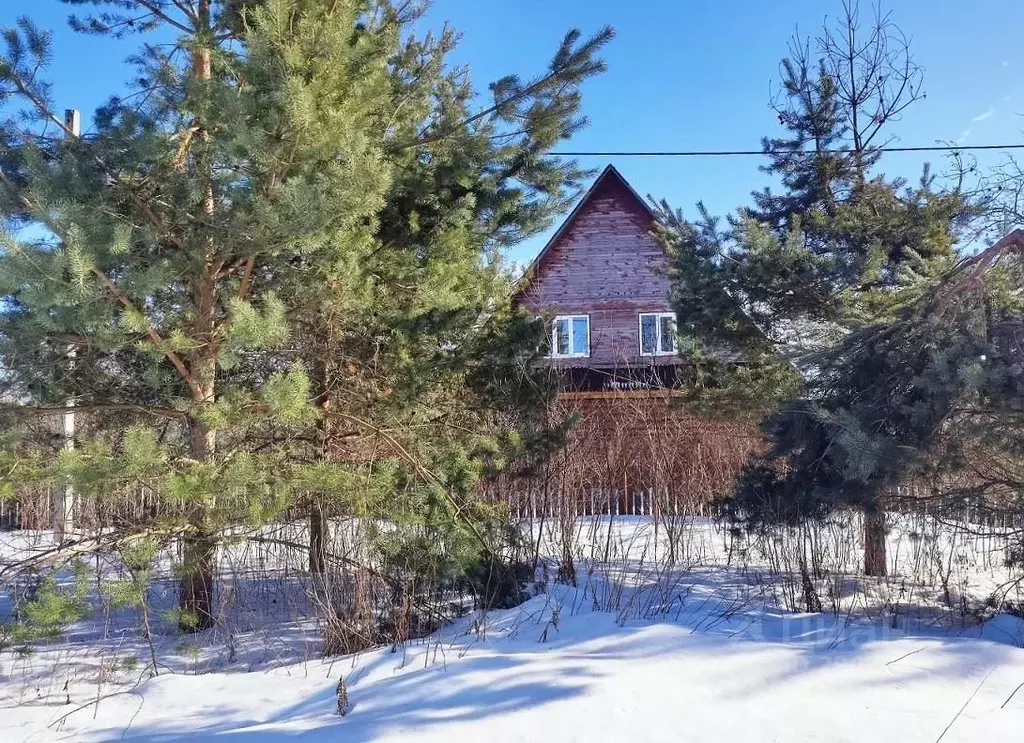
(668,334)
(562,337)
(648,333)
(581,336)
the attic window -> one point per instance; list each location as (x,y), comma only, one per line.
(657,333)
(570,336)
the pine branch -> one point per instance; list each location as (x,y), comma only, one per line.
(564,62)
(246,283)
(421,470)
(45,111)
(157,11)
(154,336)
(68,550)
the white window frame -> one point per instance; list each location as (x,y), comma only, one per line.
(658,316)
(553,337)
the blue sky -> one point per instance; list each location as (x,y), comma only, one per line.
(683,74)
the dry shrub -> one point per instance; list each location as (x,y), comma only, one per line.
(633,453)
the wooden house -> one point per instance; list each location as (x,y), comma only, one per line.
(602,280)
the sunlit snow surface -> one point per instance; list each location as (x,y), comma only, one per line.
(637,651)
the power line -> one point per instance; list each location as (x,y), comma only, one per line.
(725,153)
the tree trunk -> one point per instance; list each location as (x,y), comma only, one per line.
(317,537)
(874,541)
(64,494)
(318,529)
(199,549)
(812,601)
(195,590)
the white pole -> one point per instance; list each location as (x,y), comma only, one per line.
(64,497)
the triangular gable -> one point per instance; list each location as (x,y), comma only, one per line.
(609,177)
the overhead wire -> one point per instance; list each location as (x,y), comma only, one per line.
(729,153)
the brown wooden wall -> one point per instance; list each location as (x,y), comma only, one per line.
(606,264)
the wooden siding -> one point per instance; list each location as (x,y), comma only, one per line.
(603,263)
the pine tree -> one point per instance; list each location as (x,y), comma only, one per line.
(411,342)
(394,335)
(161,218)
(842,247)
(285,167)
(933,395)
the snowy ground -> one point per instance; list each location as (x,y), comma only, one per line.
(635,652)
